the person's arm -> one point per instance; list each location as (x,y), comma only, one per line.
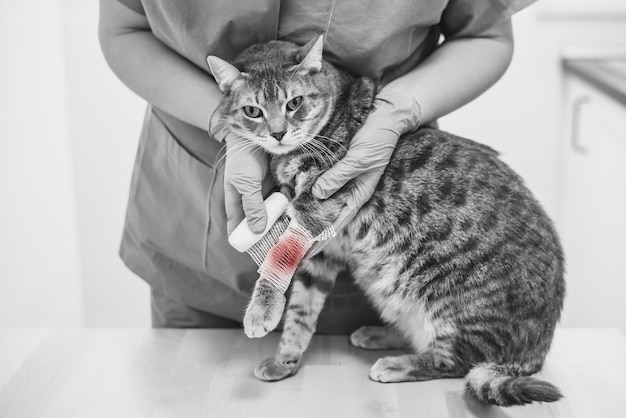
(171,83)
(151,69)
(458,71)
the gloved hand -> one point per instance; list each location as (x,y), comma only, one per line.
(368,154)
(245,169)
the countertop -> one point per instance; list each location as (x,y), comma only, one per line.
(608,75)
(193,373)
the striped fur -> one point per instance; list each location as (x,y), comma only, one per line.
(453,250)
(504,385)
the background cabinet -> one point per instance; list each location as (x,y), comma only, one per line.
(593,206)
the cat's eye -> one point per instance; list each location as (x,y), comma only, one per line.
(252,111)
(294,103)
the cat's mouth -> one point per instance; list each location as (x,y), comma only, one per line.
(281,148)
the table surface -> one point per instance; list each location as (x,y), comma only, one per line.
(192,373)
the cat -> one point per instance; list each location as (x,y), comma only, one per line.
(452,249)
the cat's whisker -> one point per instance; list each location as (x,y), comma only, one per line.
(258,150)
(233,148)
(330,139)
(324,148)
(322,157)
(332,159)
(339,94)
(311,149)
(327,156)
(245,149)
(221,158)
(323,137)
(220,119)
(239,148)
(335,96)
(289,83)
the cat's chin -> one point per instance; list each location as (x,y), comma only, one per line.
(280,149)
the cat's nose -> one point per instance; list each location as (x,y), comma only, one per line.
(278,135)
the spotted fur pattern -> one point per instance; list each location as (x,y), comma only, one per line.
(453,250)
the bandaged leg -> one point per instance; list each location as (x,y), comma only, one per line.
(279,249)
(276,271)
(283,258)
(259,251)
(278,252)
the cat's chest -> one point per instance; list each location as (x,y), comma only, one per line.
(298,173)
(285,170)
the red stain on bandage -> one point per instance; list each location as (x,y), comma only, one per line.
(285,256)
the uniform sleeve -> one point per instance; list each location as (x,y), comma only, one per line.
(134,5)
(469,17)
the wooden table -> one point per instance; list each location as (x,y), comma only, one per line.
(208,373)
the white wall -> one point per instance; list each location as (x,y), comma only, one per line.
(105,121)
(39,253)
(67,143)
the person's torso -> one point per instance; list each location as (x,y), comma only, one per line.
(368,37)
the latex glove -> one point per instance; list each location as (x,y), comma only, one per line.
(245,169)
(368,154)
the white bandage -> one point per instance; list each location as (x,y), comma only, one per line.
(280,248)
(283,258)
(242,238)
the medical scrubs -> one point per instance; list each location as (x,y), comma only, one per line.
(175,231)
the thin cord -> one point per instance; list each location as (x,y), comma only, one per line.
(331,10)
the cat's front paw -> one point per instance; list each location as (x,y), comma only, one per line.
(390,369)
(263,315)
(277,368)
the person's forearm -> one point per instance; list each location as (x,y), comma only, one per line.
(457,72)
(153,71)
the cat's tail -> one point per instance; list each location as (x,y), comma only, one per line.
(504,385)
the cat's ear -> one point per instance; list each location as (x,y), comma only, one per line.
(312,53)
(225,74)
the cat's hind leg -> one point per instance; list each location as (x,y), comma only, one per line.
(415,367)
(378,338)
(312,283)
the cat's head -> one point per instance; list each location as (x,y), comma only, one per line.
(276,94)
